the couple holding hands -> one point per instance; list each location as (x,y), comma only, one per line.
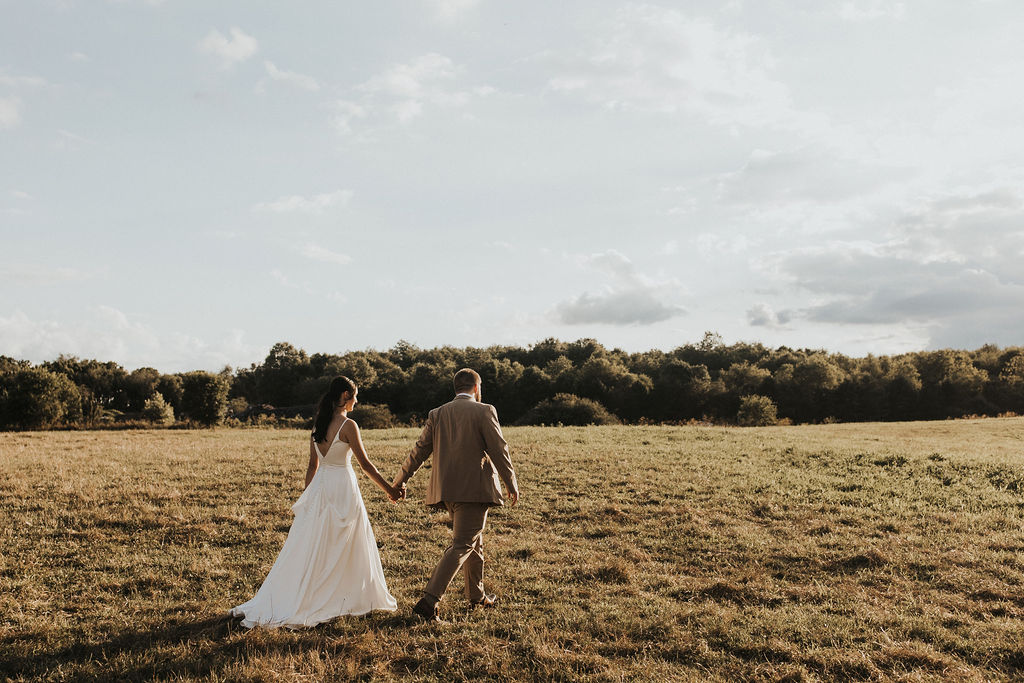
(329,565)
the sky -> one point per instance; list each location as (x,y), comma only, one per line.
(185,183)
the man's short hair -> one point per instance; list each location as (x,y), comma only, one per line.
(466,379)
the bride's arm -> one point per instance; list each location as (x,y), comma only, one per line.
(314,462)
(352,435)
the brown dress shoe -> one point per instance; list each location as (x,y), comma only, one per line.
(487,601)
(427,611)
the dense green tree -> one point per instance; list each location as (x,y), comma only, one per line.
(35,398)
(139,387)
(404,354)
(204,397)
(951,384)
(805,391)
(613,385)
(532,387)
(10,365)
(105,380)
(543,352)
(278,379)
(745,378)
(582,350)
(705,379)
(681,390)
(562,373)
(861,394)
(499,376)
(170,387)
(427,386)
(1011,384)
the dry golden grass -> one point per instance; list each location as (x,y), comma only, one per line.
(868,551)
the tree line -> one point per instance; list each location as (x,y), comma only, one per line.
(550,382)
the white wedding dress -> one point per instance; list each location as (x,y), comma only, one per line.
(329,565)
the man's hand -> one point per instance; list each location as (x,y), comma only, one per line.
(398,484)
(513,498)
(396,493)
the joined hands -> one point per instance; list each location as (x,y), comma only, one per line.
(396,493)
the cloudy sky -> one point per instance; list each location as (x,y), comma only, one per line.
(184,183)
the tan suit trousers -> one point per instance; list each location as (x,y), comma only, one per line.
(466,552)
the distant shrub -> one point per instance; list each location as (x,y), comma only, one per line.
(757,411)
(157,410)
(371,416)
(568,409)
(280,422)
(237,408)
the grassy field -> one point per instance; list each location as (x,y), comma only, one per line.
(866,551)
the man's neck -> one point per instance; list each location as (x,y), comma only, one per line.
(463,393)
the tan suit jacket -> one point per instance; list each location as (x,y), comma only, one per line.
(469,454)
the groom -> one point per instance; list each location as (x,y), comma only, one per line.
(469,455)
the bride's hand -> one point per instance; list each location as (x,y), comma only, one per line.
(396,494)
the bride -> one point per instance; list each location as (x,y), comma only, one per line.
(329,565)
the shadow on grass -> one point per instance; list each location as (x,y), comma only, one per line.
(184,648)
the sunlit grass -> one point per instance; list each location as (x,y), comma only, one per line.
(857,551)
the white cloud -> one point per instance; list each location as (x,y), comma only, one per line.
(415,79)
(405,92)
(109,334)
(656,59)
(36,274)
(12,105)
(78,57)
(68,140)
(407,110)
(230,51)
(298,80)
(10,112)
(12,81)
(715,246)
(869,10)
(950,265)
(809,173)
(450,10)
(282,279)
(611,307)
(314,204)
(762,315)
(305,286)
(630,298)
(318,253)
(345,113)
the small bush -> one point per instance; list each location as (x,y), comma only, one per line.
(238,408)
(568,409)
(757,411)
(371,416)
(157,410)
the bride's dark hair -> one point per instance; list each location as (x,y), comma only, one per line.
(325,411)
